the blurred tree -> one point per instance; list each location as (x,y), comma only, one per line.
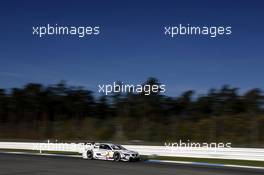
(253,103)
(37,111)
(3,106)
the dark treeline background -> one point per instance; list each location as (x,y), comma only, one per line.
(69,113)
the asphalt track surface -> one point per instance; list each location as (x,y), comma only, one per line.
(11,164)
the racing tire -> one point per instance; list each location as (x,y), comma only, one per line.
(89,155)
(117,156)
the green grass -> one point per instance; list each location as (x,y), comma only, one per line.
(213,161)
(185,159)
(37,151)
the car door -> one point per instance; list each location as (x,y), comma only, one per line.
(103,151)
(108,152)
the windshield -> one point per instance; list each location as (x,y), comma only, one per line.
(118,147)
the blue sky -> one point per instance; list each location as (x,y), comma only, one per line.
(131,46)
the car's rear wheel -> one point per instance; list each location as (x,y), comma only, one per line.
(117,156)
(89,155)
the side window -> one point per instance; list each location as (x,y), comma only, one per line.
(107,147)
(102,146)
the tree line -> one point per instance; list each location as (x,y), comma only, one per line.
(61,111)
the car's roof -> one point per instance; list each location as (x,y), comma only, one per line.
(109,144)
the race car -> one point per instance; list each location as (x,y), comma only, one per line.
(109,151)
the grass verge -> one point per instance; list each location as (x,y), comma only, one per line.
(209,160)
(36,151)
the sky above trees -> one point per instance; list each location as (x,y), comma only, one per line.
(132,46)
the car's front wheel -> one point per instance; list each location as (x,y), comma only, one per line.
(117,156)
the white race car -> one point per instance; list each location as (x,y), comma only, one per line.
(108,151)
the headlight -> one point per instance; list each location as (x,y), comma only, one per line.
(127,154)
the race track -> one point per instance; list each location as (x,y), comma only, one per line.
(11,164)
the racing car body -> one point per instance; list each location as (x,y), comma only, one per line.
(108,151)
